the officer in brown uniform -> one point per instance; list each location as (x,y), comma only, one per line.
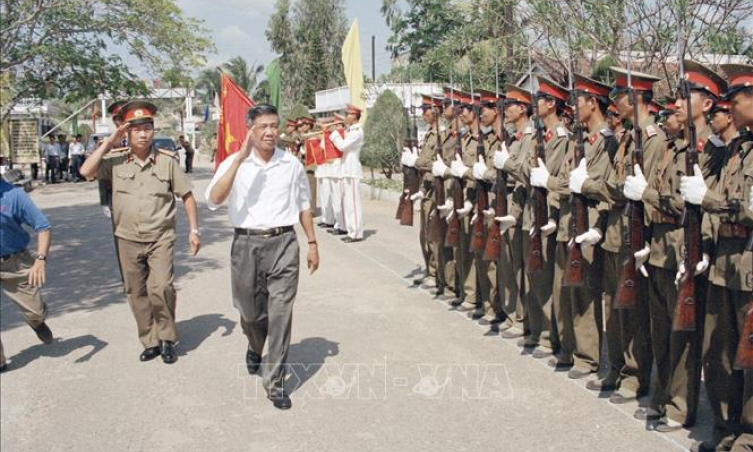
(627,330)
(729,227)
(577,309)
(435,256)
(524,314)
(550,99)
(145,182)
(674,402)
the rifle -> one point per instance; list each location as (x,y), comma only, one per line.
(685,311)
(744,354)
(493,250)
(411,181)
(458,201)
(478,237)
(539,207)
(578,204)
(627,286)
(436,231)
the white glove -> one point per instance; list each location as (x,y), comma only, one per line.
(467,207)
(488,213)
(577,177)
(750,206)
(590,237)
(106,211)
(474,218)
(693,188)
(409,157)
(501,157)
(480,169)
(641,256)
(635,185)
(458,168)
(549,228)
(539,175)
(417,196)
(505,222)
(445,209)
(700,267)
(438,168)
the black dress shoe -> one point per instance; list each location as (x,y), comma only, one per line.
(419,281)
(350,240)
(149,354)
(558,365)
(647,414)
(3,367)
(439,292)
(325,225)
(43,333)
(496,320)
(168,352)
(281,402)
(337,231)
(604,384)
(253,362)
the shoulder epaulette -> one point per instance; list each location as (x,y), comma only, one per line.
(607,132)
(716,141)
(172,154)
(561,131)
(651,131)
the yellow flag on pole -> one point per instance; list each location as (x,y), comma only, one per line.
(353,67)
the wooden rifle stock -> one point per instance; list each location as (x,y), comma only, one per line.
(436,232)
(493,249)
(458,201)
(535,262)
(685,310)
(411,183)
(628,289)
(744,354)
(579,213)
(478,242)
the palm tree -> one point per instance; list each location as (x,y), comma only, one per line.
(244,75)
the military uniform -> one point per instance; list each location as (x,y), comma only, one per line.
(144,216)
(729,226)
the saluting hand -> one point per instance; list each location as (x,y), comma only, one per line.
(117,136)
(246,147)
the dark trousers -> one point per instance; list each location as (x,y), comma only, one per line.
(77,160)
(189,162)
(52,169)
(34,171)
(264,278)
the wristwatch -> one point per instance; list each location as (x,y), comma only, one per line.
(196,231)
(41,257)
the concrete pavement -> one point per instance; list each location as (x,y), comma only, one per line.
(378,365)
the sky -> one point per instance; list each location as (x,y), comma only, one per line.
(237,28)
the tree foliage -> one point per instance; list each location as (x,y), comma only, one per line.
(67,48)
(384,131)
(246,76)
(308,36)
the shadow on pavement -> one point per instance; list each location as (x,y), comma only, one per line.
(306,358)
(194,331)
(58,349)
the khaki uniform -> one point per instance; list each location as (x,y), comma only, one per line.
(730,391)
(677,354)
(627,331)
(453,272)
(577,310)
(426,157)
(144,216)
(476,284)
(495,307)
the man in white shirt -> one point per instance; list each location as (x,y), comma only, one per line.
(350,172)
(77,157)
(267,192)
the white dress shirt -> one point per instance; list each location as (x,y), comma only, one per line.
(77,149)
(265,195)
(350,146)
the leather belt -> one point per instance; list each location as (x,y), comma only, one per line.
(733,231)
(271,232)
(660,218)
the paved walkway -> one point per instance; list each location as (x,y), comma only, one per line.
(378,365)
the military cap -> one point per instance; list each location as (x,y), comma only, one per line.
(138,112)
(115,107)
(700,77)
(740,77)
(517,95)
(487,98)
(586,85)
(352,109)
(721,106)
(654,108)
(639,80)
(548,87)
(430,102)
(291,122)
(612,110)
(305,120)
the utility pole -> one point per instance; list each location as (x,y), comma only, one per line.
(373,59)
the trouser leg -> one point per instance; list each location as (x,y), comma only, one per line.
(161,289)
(585,311)
(337,200)
(350,189)
(133,262)
(312,191)
(14,280)
(325,200)
(427,251)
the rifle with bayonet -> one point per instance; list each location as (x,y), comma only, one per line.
(493,250)
(578,203)
(628,288)
(436,228)
(458,200)
(478,240)
(539,206)
(411,179)
(685,310)
(744,354)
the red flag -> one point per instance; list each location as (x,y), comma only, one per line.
(234,105)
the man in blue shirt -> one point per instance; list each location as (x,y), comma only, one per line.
(21,273)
